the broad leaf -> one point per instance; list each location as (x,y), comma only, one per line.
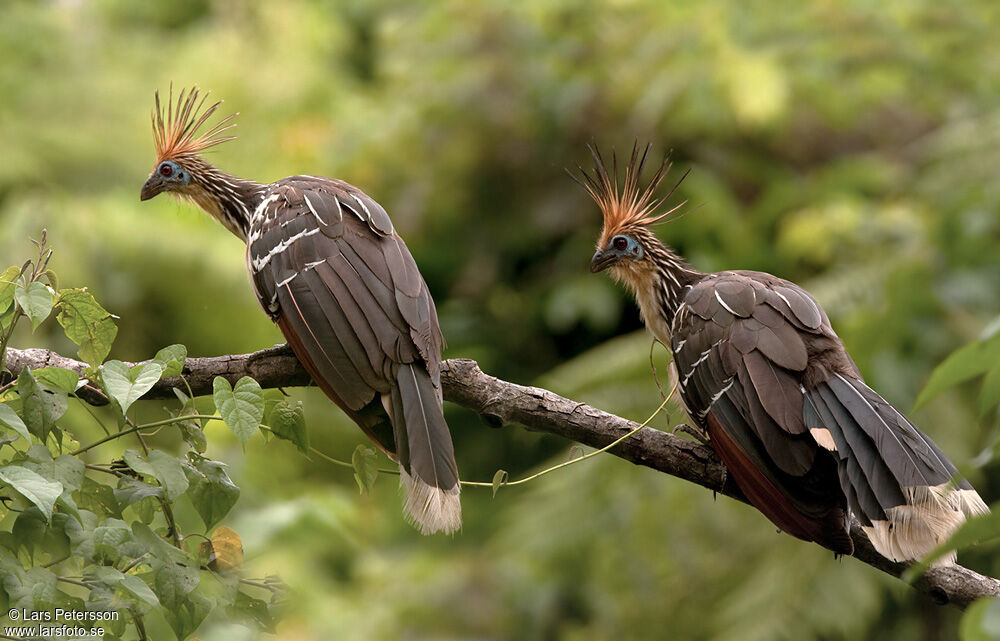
(963,364)
(211,491)
(127,385)
(35,301)
(172,359)
(253,611)
(33,589)
(131,491)
(287,421)
(40,408)
(241,407)
(33,487)
(173,582)
(57,378)
(7,285)
(227,548)
(981,621)
(131,587)
(989,395)
(110,538)
(9,418)
(365,463)
(161,466)
(169,473)
(188,614)
(87,324)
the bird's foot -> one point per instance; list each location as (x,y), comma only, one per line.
(697,433)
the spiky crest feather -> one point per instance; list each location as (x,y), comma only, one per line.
(627,205)
(174,132)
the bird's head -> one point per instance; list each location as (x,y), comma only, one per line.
(178,144)
(627,246)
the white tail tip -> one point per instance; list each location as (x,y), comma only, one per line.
(930,517)
(431,509)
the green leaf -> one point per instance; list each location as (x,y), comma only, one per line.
(33,589)
(288,421)
(188,614)
(7,285)
(138,464)
(169,473)
(134,588)
(127,385)
(989,395)
(87,324)
(130,491)
(242,407)
(173,582)
(98,497)
(981,621)
(7,317)
(172,359)
(57,378)
(161,466)
(193,435)
(110,538)
(80,532)
(252,611)
(211,490)
(35,301)
(40,408)
(365,463)
(33,487)
(159,548)
(9,418)
(499,480)
(965,363)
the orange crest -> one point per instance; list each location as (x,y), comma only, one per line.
(627,205)
(174,131)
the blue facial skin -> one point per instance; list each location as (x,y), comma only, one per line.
(171,172)
(630,249)
(619,248)
(167,175)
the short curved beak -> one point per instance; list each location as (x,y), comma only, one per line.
(601,261)
(152,186)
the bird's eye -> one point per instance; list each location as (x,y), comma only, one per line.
(166,170)
(620,243)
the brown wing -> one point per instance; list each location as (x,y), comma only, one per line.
(806,439)
(741,353)
(329,268)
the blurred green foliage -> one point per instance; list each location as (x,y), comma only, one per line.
(848,146)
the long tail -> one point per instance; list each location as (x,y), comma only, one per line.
(902,487)
(426,455)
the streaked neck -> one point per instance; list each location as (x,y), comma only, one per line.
(228,199)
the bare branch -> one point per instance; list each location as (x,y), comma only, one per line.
(499,403)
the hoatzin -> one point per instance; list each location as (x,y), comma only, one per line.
(330,270)
(762,373)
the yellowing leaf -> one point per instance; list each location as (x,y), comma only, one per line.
(228,549)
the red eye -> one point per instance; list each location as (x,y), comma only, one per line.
(620,243)
(166,170)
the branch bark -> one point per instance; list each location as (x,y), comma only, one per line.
(500,402)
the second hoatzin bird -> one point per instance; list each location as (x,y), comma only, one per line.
(330,270)
(762,372)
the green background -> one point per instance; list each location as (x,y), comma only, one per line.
(850,149)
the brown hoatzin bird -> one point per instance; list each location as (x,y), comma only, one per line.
(330,270)
(762,373)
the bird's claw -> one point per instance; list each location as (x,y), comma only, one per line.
(698,434)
